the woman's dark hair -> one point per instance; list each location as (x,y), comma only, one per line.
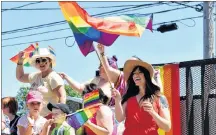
(133,90)
(11,103)
(90,87)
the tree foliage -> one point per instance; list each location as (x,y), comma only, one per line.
(22,93)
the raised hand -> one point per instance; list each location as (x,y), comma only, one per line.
(49,122)
(63,75)
(20,55)
(31,120)
(147,106)
(100,48)
(116,94)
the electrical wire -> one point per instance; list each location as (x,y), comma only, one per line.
(188,25)
(137,8)
(178,20)
(196,7)
(63,22)
(168,3)
(21,6)
(74,41)
(66,42)
(40,9)
(34,27)
(34,41)
(36,34)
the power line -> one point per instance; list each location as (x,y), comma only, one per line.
(36,34)
(63,22)
(194,7)
(179,20)
(67,36)
(40,9)
(22,6)
(120,10)
(137,8)
(168,3)
(34,27)
(34,41)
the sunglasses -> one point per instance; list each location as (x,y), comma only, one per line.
(41,60)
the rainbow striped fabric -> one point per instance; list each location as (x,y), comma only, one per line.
(28,53)
(91,98)
(169,75)
(87,29)
(78,119)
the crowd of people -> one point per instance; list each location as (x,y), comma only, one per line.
(132,97)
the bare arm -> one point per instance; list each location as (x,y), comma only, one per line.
(163,118)
(20,75)
(27,131)
(113,73)
(61,93)
(119,108)
(104,122)
(120,111)
(3,125)
(73,84)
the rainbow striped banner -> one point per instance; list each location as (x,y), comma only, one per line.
(91,98)
(169,75)
(87,29)
(28,53)
(77,119)
(51,50)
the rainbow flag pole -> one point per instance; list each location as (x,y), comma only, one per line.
(101,61)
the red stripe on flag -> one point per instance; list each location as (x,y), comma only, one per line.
(176,100)
(27,50)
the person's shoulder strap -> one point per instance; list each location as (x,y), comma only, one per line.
(15,121)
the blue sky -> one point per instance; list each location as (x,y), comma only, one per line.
(183,44)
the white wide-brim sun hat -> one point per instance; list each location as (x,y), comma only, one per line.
(42,52)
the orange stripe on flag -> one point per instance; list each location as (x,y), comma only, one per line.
(168,91)
(27,50)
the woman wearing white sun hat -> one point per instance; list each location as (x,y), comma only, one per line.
(46,80)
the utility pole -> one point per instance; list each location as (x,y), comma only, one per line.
(208,30)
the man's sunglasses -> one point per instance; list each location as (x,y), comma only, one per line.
(41,60)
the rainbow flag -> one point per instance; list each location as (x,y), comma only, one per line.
(169,75)
(77,119)
(87,29)
(28,53)
(51,50)
(91,98)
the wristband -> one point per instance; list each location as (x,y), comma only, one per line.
(19,63)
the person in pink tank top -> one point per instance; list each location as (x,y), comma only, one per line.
(143,107)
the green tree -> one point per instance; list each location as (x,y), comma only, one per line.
(72,93)
(22,93)
(21,97)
